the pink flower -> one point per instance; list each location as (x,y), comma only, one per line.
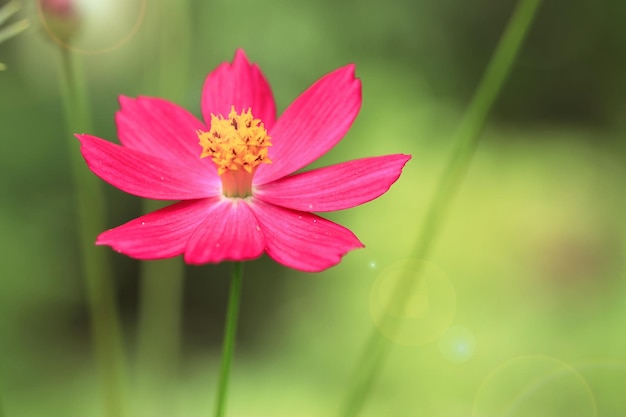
(59,8)
(60,18)
(239,196)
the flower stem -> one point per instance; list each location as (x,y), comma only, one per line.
(377,348)
(99,280)
(162,282)
(229,338)
(158,339)
(13,30)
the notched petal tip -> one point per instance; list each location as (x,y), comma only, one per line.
(86,141)
(350,69)
(240,55)
(349,75)
(123,100)
(144,175)
(317,267)
(105,239)
(101,240)
(313,123)
(301,240)
(160,234)
(335,187)
(241,84)
(404,158)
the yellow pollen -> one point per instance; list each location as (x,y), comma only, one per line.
(239,142)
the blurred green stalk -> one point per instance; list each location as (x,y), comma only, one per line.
(161,282)
(14,29)
(90,210)
(8,10)
(158,343)
(376,349)
(230,332)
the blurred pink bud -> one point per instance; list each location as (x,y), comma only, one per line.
(59,8)
(60,18)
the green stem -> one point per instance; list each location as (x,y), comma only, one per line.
(474,119)
(99,280)
(376,349)
(158,343)
(13,30)
(229,338)
(8,10)
(162,282)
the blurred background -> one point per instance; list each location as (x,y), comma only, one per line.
(526,298)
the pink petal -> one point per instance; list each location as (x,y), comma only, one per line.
(160,234)
(239,84)
(230,232)
(144,175)
(162,129)
(336,187)
(314,123)
(301,240)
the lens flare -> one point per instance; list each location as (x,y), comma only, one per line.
(531,386)
(412,302)
(457,344)
(607,379)
(101,27)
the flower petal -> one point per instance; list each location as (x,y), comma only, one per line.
(314,123)
(239,84)
(336,187)
(144,175)
(162,129)
(229,233)
(160,234)
(302,240)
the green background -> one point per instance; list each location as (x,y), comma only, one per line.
(532,250)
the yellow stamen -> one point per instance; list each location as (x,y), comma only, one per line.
(237,145)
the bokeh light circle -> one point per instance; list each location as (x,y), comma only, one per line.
(412,302)
(457,344)
(607,379)
(535,386)
(88,10)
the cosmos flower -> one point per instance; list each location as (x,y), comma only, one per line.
(234,172)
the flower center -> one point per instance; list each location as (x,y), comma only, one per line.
(237,145)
